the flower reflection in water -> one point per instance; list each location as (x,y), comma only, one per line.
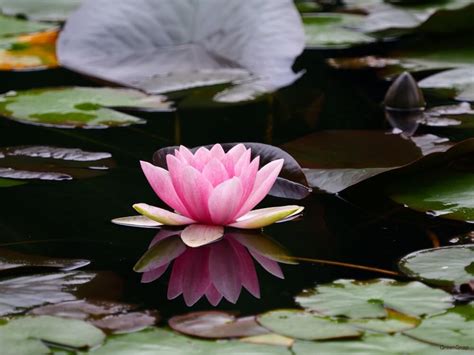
(218,270)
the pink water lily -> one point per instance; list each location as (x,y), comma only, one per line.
(211,189)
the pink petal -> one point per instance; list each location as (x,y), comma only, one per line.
(271,266)
(213,296)
(160,181)
(215,172)
(201,158)
(264,217)
(196,279)
(263,183)
(185,155)
(231,158)
(175,285)
(217,152)
(197,235)
(155,274)
(243,163)
(248,275)
(224,201)
(248,178)
(162,216)
(224,275)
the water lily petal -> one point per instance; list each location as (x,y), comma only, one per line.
(243,163)
(215,172)
(222,268)
(264,181)
(264,217)
(213,296)
(162,216)
(217,152)
(248,275)
(137,221)
(155,274)
(163,234)
(160,181)
(175,285)
(197,235)
(201,158)
(270,265)
(231,158)
(224,201)
(185,155)
(196,278)
(248,177)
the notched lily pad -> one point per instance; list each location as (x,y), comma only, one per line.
(216,325)
(52,163)
(441,266)
(79,107)
(371,299)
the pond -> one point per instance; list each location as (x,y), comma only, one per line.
(373,247)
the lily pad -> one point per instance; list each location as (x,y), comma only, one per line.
(215,325)
(52,163)
(29,52)
(19,336)
(455,84)
(10,182)
(445,193)
(395,322)
(10,26)
(307,326)
(371,299)
(40,10)
(333,30)
(13,260)
(78,107)
(241,38)
(370,344)
(443,266)
(20,293)
(160,341)
(452,329)
(460,116)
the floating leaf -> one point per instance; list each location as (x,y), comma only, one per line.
(457,84)
(333,30)
(453,329)
(127,322)
(10,182)
(28,52)
(445,193)
(20,293)
(243,37)
(307,326)
(12,260)
(52,163)
(32,331)
(78,107)
(10,26)
(395,322)
(269,339)
(40,10)
(160,341)
(460,116)
(447,265)
(371,299)
(215,325)
(370,344)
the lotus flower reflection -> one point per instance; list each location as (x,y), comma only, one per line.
(218,270)
(211,189)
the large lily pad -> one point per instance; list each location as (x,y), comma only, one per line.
(307,326)
(52,163)
(165,41)
(83,107)
(448,265)
(20,293)
(10,26)
(20,336)
(357,299)
(445,193)
(13,260)
(160,341)
(40,10)
(454,84)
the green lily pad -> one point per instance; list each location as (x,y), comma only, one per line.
(445,193)
(460,116)
(371,299)
(455,84)
(52,163)
(453,329)
(19,335)
(10,26)
(13,260)
(20,293)
(10,182)
(442,266)
(307,326)
(40,10)
(78,107)
(161,341)
(333,30)
(395,322)
(370,344)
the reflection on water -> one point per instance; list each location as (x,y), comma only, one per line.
(218,270)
